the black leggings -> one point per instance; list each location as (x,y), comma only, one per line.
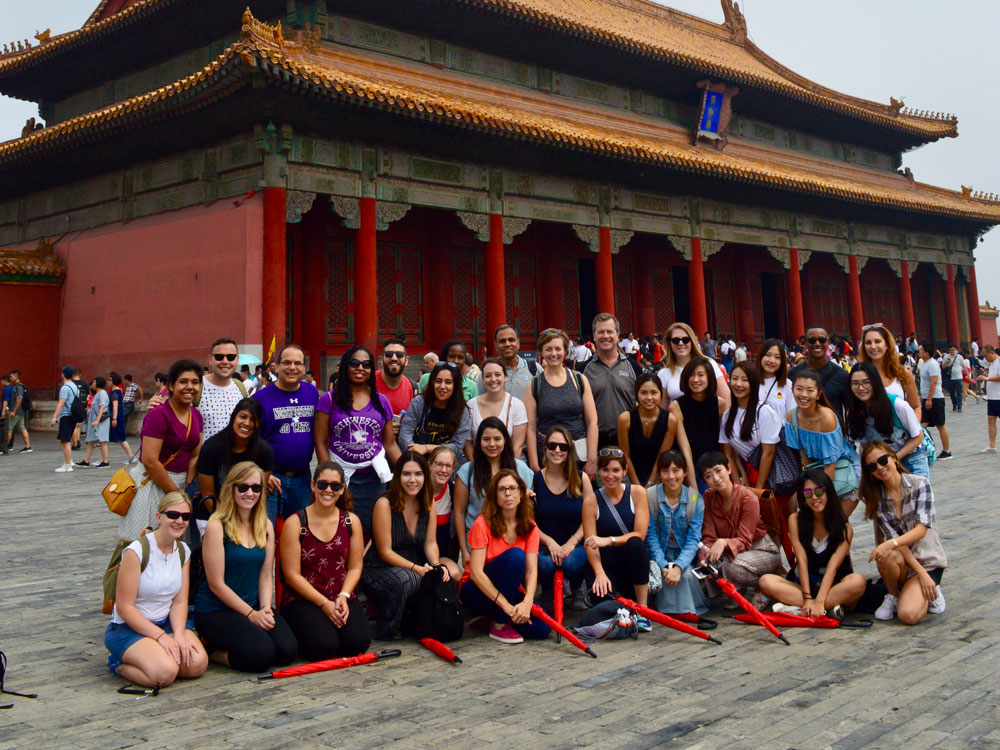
(319,638)
(250,648)
(626,566)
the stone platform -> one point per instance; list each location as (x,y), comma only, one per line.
(934,685)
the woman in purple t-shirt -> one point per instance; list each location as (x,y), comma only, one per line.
(171,439)
(354,428)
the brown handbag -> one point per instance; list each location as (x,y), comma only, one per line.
(121,490)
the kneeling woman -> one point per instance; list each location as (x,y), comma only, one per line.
(321,550)
(232,610)
(615,521)
(504,543)
(909,554)
(147,637)
(404,544)
(676,517)
(738,544)
(823,579)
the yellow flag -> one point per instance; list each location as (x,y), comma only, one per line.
(270,352)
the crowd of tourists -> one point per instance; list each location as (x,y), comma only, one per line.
(492,478)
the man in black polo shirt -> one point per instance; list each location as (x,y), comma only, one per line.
(836,381)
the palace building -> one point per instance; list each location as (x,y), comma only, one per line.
(338,172)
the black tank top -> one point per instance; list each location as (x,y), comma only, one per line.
(607,525)
(701,424)
(817,562)
(645,450)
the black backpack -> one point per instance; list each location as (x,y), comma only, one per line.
(26,400)
(77,410)
(435,611)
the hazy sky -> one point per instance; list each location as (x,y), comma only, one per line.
(936,55)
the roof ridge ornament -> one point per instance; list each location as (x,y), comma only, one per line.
(253,29)
(735,21)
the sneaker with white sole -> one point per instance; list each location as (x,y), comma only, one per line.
(945,456)
(988,450)
(26,450)
(102,465)
(887,609)
(643,623)
(937,606)
(788,609)
(82,464)
(505,634)
(580,601)
(64,468)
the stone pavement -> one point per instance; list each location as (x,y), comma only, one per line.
(934,685)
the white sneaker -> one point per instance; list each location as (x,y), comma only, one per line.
(936,607)
(887,609)
(788,609)
(64,468)
(988,450)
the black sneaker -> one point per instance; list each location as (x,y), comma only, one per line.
(102,465)
(26,450)
(944,455)
(83,464)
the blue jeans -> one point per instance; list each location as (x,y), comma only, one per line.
(573,566)
(507,574)
(296,494)
(916,462)
(365,488)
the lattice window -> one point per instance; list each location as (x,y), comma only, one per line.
(622,272)
(339,290)
(722,300)
(571,294)
(400,301)
(387,280)
(463,273)
(519,270)
(880,299)
(921,310)
(829,303)
(756,307)
(663,297)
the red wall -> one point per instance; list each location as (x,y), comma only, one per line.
(29,330)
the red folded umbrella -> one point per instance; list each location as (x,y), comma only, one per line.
(667,620)
(789,620)
(557,595)
(327,664)
(730,590)
(538,612)
(440,649)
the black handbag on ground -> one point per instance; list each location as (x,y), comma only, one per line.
(435,611)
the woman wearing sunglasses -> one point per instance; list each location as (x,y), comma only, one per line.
(559,487)
(682,347)
(873,415)
(321,550)
(147,638)
(354,427)
(437,416)
(232,609)
(823,580)
(878,346)
(908,554)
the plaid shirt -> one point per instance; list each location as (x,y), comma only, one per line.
(130,393)
(917,507)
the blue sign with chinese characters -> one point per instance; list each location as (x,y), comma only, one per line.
(711,110)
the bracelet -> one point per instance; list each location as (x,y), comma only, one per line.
(325,602)
(497,597)
(344,593)
(250,612)
(894,543)
(160,636)
(413,566)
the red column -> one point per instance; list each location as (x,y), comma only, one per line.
(696,289)
(496,293)
(366,278)
(642,282)
(972,302)
(951,307)
(274,316)
(906,299)
(605,274)
(854,297)
(793,288)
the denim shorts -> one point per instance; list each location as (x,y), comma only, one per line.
(119,638)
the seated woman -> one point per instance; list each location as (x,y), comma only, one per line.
(404,544)
(437,416)
(909,554)
(647,431)
(232,610)
(738,544)
(874,415)
(497,402)
(492,452)
(240,441)
(813,428)
(823,580)
(442,464)
(147,637)
(747,425)
(559,487)
(321,550)
(676,517)
(615,521)
(504,542)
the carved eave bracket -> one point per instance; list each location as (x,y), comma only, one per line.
(479,224)
(387,213)
(681,244)
(804,256)
(782,255)
(297,202)
(843,261)
(513,227)
(348,209)
(862,262)
(592,237)
(710,248)
(896,265)
(942,269)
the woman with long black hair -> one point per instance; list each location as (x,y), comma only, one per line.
(699,410)
(772,372)
(648,430)
(749,424)
(438,415)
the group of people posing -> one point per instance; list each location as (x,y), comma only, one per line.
(496,482)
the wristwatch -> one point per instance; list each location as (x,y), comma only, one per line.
(672,565)
(612,541)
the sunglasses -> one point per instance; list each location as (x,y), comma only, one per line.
(173,515)
(228,357)
(813,493)
(365,365)
(872,327)
(817,340)
(322,484)
(244,487)
(615,452)
(394,355)
(872,466)
(557,447)
(680,339)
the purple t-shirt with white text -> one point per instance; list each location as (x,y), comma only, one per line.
(288,425)
(355,436)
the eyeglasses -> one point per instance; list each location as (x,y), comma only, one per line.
(243,487)
(863,385)
(508,490)
(173,515)
(872,326)
(441,465)
(394,355)
(680,339)
(818,492)
(615,452)
(322,484)
(817,340)
(872,466)
(446,363)
(557,447)
(228,357)
(364,365)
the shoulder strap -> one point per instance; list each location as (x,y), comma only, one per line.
(535,387)
(692,502)
(653,500)
(577,380)
(892,406)
(533,367)
(144,558)
(614,511)
(181,553)
(239,384)
(303,522)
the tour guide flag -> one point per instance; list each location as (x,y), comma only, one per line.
(270,352)
(711,110)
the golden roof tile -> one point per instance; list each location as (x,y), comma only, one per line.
(43,262)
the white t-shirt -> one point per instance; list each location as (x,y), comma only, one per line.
(159,582)
(766,431)
(216,406)
(956,367)
(778,397)
(671,381)
(895,388)
(927,370)
(630,346)
(582,353)
(993,389)
(512,417)
(975,349)
(741,354)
